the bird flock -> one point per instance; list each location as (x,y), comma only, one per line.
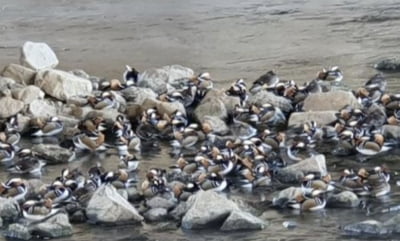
(258,145)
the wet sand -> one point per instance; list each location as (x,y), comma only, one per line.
(230,39)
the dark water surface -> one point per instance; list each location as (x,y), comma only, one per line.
(230,39)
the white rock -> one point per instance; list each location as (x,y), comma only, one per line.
(28,94)
(38,56)
(240,220)
(320,117)
(332,100)
(10,106)
(19,73)
(62,85)
(43,108)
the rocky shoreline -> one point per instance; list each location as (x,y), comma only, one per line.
(274,135)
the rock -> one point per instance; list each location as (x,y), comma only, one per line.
(34,187)
(18,231)
(156,214)
(164,226)
(78,217)
(133,194)
(239,220)
(38,56)
(218,126)
(168,108)
(229,101)
(9,209)
(23,123)
(19,73)
(138,95)
(28,94)
(157,78)
(109,115)
(389,64)
(62,85)
(1,222)
(393,224)
(320,117)
(368,227)
(80,73)
(294,173)
(264,97)
(211,107)
(107,206)
(123,193)
(10,106)
(54,227)
(208,209)
(332,100)
(5,83)
(284,195)
(289,224)
(345,199)
(44,108)
(391,131)
(54,154)
(122,102)
(179,211)
(375,115)
(77,101)
(159,202)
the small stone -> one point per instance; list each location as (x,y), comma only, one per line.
(9,209)
(10,107)
(54,154)
(19,73)
(38,56)
(289,224)
(179,211)
(332,100)
(28,94)
(391,131)
(239,220)
(345,199)
(156,214)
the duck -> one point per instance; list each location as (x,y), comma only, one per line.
(213,181)
(311,182)
(92,142)
(51,127)
(27,163)
(7,152)
(37,211)
(238,89)
(15,188)
(333,74)
(105,101)
(269,79)
(113,84)
(266,115)
(10,134)
(315,202)
(129,162)
(379,182)
(186,138)
(370,146)
(130,76)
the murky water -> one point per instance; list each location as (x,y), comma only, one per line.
(228,38)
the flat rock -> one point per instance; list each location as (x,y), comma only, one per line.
(54,154)
(367,227)
(332,100)
(62,85)
(159,202)
(345,199)
(320,117)
(264,97)
(19,73)
(156,214)
(294,173)
(38,56)
(44,108)
(10,106)
(239,220)
(9,209)
(28,94)
(107,206)
(208,209)
(389,64)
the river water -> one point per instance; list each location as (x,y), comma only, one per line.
(228,38)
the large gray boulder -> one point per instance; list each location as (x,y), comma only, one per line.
(138,95)
(264,97)
(38,56)
(320,117)
(208,209)
(108,206)
(239,220)
(62,85)
(367,227)
(332,100)
(345,199)
(158,78)
(9,106)
(19,73)
(218,126)
(54,154)
(28,94)
(295,173)
(211,107)
(9,209)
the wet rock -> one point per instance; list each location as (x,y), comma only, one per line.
(164,226)
(107,206)
(44,108)
(18,231)
(208,209)
(285,195)
(218,126)
(78,217)
(179,211)
(157,78)
(391,131)
(38,56)
(133,194)
(368,227)
(156,214)
(332,100)
(10,106)
(54,227)
(264,97)
(62,85)
(389,64)
(239,220)
(289,224)
(9,209)
(28,94)
(164,107)
(138,95)
(211,107)
(320,117)
(345,199)
(54,154)
(19,73)
(159,202)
